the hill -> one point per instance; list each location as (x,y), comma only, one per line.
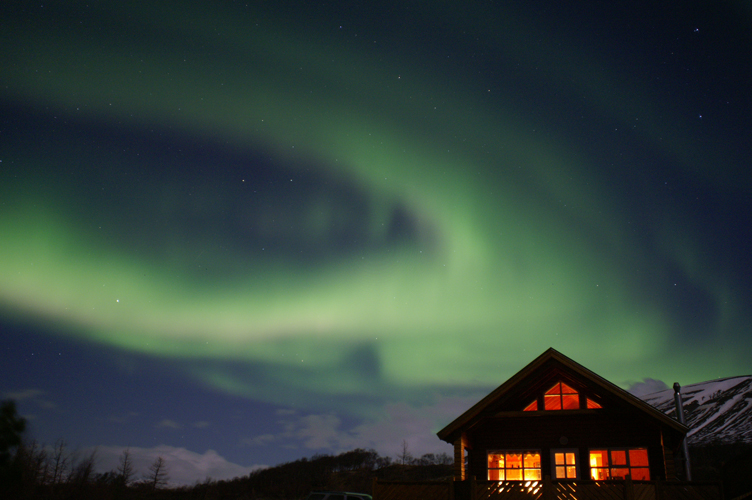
(717,411)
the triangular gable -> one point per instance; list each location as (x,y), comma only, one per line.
(515,386)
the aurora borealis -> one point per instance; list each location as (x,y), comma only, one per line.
(343,208)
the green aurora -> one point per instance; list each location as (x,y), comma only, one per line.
(510,236)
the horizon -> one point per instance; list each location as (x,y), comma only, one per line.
(244,233)
(185,466)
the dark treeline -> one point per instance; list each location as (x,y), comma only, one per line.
(29,471)
(729,463)
(34,472)
(350,471)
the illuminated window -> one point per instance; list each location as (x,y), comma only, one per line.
(592,404)
(565,464)
(561,397)
(514,466)
(618,464)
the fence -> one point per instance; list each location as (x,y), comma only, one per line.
(546,490)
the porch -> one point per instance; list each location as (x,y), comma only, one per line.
(546,490)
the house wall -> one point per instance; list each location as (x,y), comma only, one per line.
(584,431)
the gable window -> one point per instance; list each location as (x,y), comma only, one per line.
(565,464)
(561,397)
(514,466)
(592,404)
(619,463)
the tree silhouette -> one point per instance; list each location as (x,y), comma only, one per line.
(12,427)
(125,469)
(60,462)
(405,458)
(83,471)
(34,462)
(157,476)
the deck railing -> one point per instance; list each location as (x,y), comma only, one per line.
(546,490)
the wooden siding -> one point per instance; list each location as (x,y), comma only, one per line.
(545,431)
(669,462)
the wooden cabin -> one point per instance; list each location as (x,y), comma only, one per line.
(558,419)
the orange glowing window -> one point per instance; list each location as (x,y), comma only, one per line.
(618,464)
(561,397)
(532,406)
(619,457)
(638,457)
(514,466)
(565,464)
(592,404)
(640,474)
(599,464)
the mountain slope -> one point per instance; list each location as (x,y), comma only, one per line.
(718,411)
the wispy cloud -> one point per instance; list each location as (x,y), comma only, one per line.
(25,394)
(123,418)
(385,433)
(33,395)
(169,424)
(261,440)
(647,386)
(183,466)
(201,424)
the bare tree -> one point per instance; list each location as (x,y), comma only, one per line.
(59,462)
(125,469)
(83,471)
(444,459)
(157,476)
(405,458)
(35,463)
(433,459)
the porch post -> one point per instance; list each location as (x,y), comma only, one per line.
(459,457)
(548,488)
(628,488)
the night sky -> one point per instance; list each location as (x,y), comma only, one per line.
(237,234)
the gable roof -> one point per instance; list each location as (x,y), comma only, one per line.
(552,356)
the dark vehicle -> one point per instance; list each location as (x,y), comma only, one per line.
(337,495)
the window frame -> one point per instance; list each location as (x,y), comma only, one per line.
(554,465)
(628,465)
(520,451)
(563,400)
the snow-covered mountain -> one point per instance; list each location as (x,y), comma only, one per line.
(718,411)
